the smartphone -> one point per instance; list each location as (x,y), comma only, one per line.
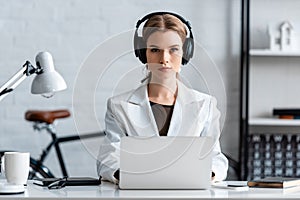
(231,187)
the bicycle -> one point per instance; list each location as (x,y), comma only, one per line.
(44,120)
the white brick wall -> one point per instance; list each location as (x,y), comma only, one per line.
(278,75)
(70,29)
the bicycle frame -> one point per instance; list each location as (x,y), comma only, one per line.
(56,141)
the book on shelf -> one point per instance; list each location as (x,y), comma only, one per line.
(286,111)
(288,116)
(275,182)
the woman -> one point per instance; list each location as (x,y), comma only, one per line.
(163,105)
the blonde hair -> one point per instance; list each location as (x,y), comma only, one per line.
(164,22)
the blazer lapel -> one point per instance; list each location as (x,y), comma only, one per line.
(140,119)
(185,117)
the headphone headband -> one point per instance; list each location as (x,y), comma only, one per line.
(187,23)
(139,43)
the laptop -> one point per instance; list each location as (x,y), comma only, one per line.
(165,162)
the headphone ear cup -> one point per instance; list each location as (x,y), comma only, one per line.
(140,49)
(188,50)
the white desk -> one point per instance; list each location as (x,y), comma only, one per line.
(110,191)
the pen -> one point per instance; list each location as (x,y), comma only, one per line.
(58,184)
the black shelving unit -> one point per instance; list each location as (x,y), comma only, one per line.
(244,87)
(273,150)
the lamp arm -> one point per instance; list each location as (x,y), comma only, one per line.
(27,70)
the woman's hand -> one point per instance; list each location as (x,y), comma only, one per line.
(213,175)
(117,174)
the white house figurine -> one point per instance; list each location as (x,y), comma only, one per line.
(284,38)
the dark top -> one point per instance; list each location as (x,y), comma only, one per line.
(162,115)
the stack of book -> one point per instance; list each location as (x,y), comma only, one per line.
(275,182)
(286,183)
(287,113)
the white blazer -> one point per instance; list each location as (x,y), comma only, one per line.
(130,114)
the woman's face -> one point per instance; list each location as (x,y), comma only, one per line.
(164,53)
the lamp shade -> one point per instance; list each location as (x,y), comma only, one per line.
(49,80)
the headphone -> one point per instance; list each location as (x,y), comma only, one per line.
(140,46)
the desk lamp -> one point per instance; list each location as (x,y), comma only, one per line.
(46,83)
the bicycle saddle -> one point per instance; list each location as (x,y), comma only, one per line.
(46,116)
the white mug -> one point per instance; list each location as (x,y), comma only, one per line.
(16,167)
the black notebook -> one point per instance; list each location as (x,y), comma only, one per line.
(70,181)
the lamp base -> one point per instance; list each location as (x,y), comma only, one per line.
(6,188)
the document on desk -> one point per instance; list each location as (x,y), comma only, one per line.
(224,185)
